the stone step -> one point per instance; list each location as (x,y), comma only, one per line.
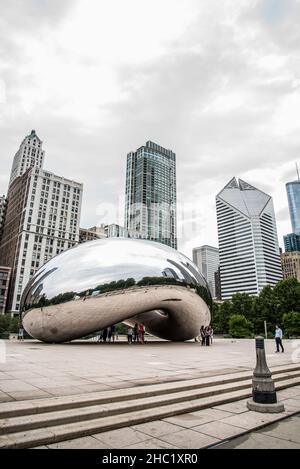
(42,420)
(29,407)
(48,419)
(61,432)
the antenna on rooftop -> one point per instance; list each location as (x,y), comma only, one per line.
(297,169)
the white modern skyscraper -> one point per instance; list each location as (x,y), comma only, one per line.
(30,154)
(248,242)
(207,259)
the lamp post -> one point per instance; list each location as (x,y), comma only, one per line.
(264,397)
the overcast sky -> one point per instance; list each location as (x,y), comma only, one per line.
(216,81)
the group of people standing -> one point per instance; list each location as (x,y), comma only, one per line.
(205,336)
(136,333)
(109,334)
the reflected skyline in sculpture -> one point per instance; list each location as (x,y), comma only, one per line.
(103,282)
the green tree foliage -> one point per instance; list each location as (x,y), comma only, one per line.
(265,308)
(239,326)
(9,324)
(221,315)
(270,306)
(242,303)
(287,294)
(4,323)
(291,323)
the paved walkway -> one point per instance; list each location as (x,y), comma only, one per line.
(205,428)
(280,435)
(35,370)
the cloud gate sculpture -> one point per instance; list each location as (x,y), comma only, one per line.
(104,282)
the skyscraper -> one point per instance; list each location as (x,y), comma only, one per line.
(150,207)
(42,220)
(207,259)
(248,242)
(292,242)
(3,205)
(4,285)
(30,154)
(293,194)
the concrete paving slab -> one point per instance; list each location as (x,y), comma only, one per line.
(218,429)
(87,442)
(251,419)
(189,439)
(28,395)
(256,441)
(122,437)
(95,387)
(5,375)
(8,385)
(287,430)
(193,419)
(157,428)
(63,390)
(5,397)
(237,407)
(153,443)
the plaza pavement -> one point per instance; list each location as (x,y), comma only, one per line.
(284,435)
(36,370)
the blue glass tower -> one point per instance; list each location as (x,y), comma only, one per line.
(291,242)
(293,193)
(150,208)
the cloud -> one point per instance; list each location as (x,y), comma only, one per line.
(217,82)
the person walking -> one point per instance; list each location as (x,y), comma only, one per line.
(129,334)
(142,333)
(278,339)
(109,334)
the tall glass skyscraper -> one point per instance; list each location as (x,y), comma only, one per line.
(293,193)
(207,259)
(248,243)
(292,242)
(150,204)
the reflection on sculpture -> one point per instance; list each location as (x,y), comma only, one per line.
(103,282)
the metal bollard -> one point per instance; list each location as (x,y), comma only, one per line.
(264,397)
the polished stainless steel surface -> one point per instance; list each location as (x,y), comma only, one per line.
(103,282)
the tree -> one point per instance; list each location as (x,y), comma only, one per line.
(4,323)
(291,323)
(242,303)
(287,293)
(221,315)
(265,308)
(239,326)
(8,324)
